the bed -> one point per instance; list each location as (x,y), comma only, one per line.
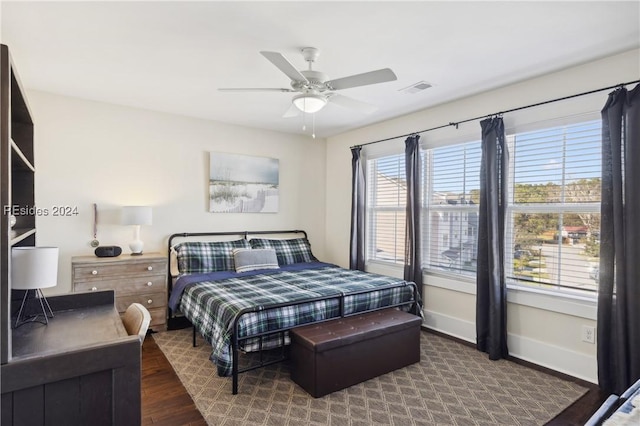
(244,292)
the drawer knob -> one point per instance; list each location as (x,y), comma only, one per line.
(94,272)
(149,284)
(150,301)
(94,288)
(149,268)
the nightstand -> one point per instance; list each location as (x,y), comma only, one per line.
(141,279)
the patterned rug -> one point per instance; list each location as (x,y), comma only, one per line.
(453,384)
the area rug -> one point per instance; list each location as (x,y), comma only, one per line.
(453,384)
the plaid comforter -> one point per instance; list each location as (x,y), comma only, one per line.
(212,306)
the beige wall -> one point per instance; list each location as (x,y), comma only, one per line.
(541,328)
(91,152)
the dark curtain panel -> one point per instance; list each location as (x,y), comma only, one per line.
(491,300)
(619,273)
(412,254)
(357,249)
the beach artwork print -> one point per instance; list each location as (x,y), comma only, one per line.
(242,183)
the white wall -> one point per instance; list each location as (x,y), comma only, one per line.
(91,152)
(542,329)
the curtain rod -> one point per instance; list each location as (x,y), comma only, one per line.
(456,123)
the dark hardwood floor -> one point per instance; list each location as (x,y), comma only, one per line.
(579,412)
(166,402)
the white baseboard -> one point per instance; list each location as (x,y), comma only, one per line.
(575,364)
(563,360)
(452,326)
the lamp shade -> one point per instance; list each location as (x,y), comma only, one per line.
(34,267)
(309,103)
(136,215)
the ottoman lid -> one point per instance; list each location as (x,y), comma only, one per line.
(345,331)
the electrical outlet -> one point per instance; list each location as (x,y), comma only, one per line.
(588,334)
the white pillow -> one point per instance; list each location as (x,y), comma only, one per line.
(254,259)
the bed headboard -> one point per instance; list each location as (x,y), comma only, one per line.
(243,234)
(219,236)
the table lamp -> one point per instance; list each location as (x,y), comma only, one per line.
(34,268)
(136,216)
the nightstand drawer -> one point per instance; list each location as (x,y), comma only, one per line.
(122,287)
(99,272)
(158,318)
(148,300)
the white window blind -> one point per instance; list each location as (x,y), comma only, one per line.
(450,214)
(553,225)
(386,214)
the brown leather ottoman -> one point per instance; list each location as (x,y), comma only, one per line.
(336,354)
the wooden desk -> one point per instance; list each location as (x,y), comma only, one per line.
(82,368)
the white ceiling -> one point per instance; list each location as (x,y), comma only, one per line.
(173,56)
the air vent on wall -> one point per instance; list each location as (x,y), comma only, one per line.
(416,87)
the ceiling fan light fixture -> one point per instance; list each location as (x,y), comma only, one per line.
(309,103)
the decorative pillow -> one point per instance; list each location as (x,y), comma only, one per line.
(207,256)
(296,250)
(255,259)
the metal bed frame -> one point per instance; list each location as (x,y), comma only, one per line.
(236,341)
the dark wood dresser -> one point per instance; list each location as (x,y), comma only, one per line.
(80,369)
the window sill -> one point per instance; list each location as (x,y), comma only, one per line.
(574,305)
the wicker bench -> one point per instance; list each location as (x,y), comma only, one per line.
(336,354)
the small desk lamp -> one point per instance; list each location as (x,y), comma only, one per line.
(136,216)
(34,268)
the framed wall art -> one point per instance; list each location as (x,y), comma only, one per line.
(243,183)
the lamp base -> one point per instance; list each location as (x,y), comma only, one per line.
(136,247)
(34,317)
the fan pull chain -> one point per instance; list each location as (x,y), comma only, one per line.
(313,130)
(304,116)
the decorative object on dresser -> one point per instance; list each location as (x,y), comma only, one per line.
(136,216)
(32,269)
(108,251)
(135,279)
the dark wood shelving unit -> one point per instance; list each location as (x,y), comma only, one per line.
(17,170)
(82,367)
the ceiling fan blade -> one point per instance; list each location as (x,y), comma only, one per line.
(284,65)
(351,103)
(364,79)
(293,111)
(254,89)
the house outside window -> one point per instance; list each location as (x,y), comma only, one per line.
(386,213)
(450,210)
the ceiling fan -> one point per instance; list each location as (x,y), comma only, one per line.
(315,89)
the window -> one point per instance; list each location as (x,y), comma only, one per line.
(552,236)
(450,213)
(386,201)
(553,224)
